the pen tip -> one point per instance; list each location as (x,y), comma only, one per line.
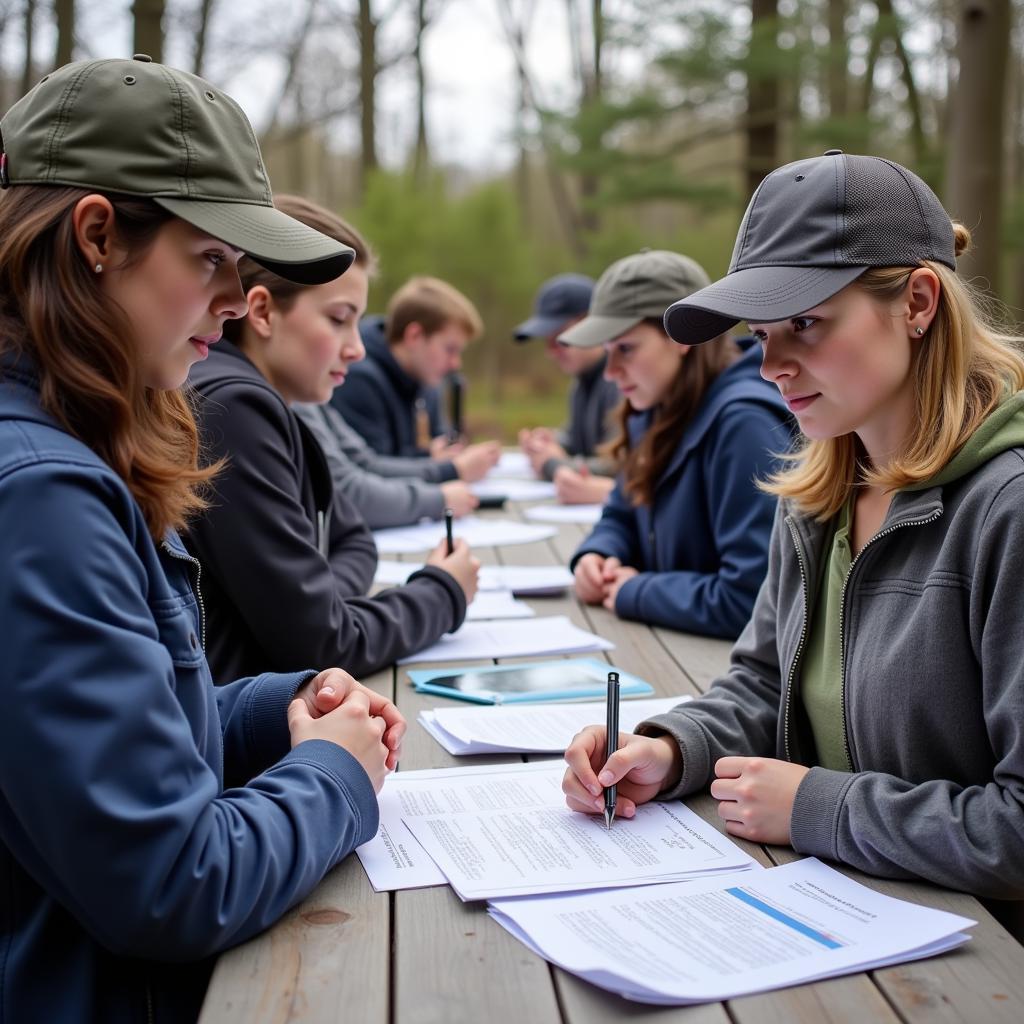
(609,817)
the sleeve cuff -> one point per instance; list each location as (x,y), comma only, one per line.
(452,588)
(814,822)
(266,720)
(550,466)
(627,600)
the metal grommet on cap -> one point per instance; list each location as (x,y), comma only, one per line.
(129,79)
(144,57)
(210,96)
(833,152)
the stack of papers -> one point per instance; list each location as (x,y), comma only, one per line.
(511,638)
(586,514)
(476,532)
(529,729)
(497,604)
(504,830)
(522,580)
(719,938)
(513,489)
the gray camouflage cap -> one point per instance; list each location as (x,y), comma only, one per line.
(812,228)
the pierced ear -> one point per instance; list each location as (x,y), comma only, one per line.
(261,311)
(922,300)
(93,218)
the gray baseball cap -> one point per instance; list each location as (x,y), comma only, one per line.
(632,290)
(812,228)
(559,300)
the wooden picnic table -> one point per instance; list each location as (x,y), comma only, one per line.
(348,954)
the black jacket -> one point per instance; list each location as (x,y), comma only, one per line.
(284,559)
(381,401)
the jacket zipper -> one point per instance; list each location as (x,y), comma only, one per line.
(197,589)
(842,618)
(803,637)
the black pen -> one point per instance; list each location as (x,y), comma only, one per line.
(611,743)
(448,515)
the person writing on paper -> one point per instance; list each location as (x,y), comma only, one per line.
(391,397)
(570,456)
(683,540)
(871,713)
(147,820)
(286,560)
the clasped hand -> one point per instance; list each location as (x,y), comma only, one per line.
(333,706)
(599,579)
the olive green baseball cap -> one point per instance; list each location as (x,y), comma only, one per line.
(140,128)
(634,289)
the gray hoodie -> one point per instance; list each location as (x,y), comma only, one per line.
(932,688)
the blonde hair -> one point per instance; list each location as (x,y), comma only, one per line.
(431,303)
(962,370)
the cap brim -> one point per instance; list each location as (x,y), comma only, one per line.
(760,295)
(282,244)
(538,327)
(592,331)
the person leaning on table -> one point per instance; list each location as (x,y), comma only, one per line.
(872,711)
(683,539)
(147,820)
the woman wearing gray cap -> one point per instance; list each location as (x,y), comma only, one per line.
(872,710)
(147,820)
(683,538)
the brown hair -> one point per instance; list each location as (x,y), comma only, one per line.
(643,466)
(286,292)
(53,309)
(431,303)
(962,369)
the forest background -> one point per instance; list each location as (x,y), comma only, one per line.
(618,124)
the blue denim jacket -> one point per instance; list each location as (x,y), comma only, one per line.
(126,862)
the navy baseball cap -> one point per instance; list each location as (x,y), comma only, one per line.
(812,228)
(559,300)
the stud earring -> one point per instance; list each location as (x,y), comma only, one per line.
(98,268)
(919,331)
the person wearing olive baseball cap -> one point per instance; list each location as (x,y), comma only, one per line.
(896,556)
(141,828)
(682,541)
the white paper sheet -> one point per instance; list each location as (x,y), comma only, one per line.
(476,532)
(586,514)
(531,729)
(497,604)
(520,579)
(512,835)
(509,638)
(513,489)
(720,938)
(393,859)
(513,465)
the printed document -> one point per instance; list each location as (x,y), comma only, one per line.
(720,938)
(511,834)
(531,729)
(585,514)
(520,579)
(476,532)
(511,638)
(497,604)
(513,489)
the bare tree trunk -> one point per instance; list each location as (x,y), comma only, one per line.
(421,155)
(895,29)
(199,53)
(65,12)
(838,81)
(28,75)
(762,98)
(974,170)
(149,28)
(367,31)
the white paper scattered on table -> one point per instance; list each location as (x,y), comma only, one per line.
(513,489)
(497,604)
(393,859)
(586,514)
(510,834)
(520,579)
(531,729)
(476,532)
(513,465)
(720,938)
(511,638)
